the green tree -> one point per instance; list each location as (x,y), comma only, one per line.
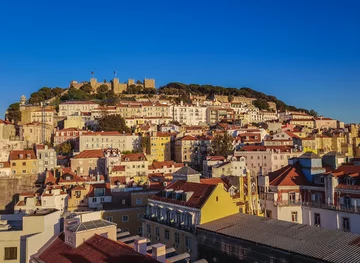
(102,89)
(145,144)
(113,123)
(313,113)
(14,113)
(64,148)
(262,104)
(222,144)
(87,88)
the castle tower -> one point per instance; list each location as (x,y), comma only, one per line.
(149,83)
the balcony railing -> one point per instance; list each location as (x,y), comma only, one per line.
(344,208)
(170,223)
(287,203)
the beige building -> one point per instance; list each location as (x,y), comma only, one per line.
(189,114)
(76,107)
(265,159)
(310,123)
(184,149)
(7,130)
(322,122)
(89,163)
(76,122)
(21,235)
(23,162)
(39,116)
(128,109)
(32,133)
(216,114)
(105,140)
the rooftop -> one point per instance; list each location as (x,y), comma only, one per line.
(84,226)
(313,242)
(96,249)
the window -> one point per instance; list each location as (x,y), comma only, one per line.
(13,164)
(140,216)
(157,231)
(138,201)
(125,230)
(317,219)
(24,171)
(292,198)
(125,218)
(148,229)
(346,224)
(187,242)
(140,230)
(109,218)
(123,201)
(10,253)
(177,238)
(94,199)
(24,163)
(167,234)
(294,216)
(217,199)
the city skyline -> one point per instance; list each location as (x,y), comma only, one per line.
(303,53)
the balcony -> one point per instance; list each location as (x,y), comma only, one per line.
(343,208)
(287,203)
(170,223)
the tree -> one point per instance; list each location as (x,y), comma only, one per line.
(64,148)
(102,89)
(262,104)
(14,113)
(138,82)
(145,143)
(313,113)
(113,123)
(87,88)
(222,144)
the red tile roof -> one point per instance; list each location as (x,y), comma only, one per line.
(118,168)
(114,180)
(104,133)
(15,155)
(197,200)
(5,164)
(292,135)
(165,164)
(90,154)
(106,186)
(215,158)
(78,102)
(290,175)
(187,138)
(133,157)
(78,188)
(96,249)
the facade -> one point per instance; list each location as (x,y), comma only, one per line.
(266,159)
(46,158)
(32,133)
(23,162)
(310,123)
(39,116)
(173,213)
(89,163)
(322,122)
(70,135)
(216,114)
(76,122)
(7,130)
(142,109)
(189,114)
(160,146)
(106,140)
(70,108)
(24,235)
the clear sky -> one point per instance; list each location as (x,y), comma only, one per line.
(305,52)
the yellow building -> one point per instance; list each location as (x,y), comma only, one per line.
(159,147)
(309,145)
(173,213)
(23,162)
(74,122)
(7,130)
(32,133)
(142,109)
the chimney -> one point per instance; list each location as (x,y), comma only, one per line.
(159,252)
(140,245)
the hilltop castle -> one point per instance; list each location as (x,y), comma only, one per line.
(115,84)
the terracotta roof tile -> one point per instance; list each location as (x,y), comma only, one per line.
(197,200)
(96,249)
(290,175)
(22,155)
(90,154)
(118,168)
(132,157)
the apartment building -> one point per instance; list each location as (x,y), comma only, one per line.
(322,122)
(32,133)
(128,109)
(46,158)
(70,135)
(76,122)
(41,116)
(173,213)
(189,114)
(89,163)
(216,114)
(160,146)
(76,108)
(106,140)
(7,130)
(265,159)
(308,122)
(23,162)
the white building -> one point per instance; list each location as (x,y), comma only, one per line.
(105,140)
(76,107)
(189,114)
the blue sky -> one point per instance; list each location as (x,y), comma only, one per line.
(305,52)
